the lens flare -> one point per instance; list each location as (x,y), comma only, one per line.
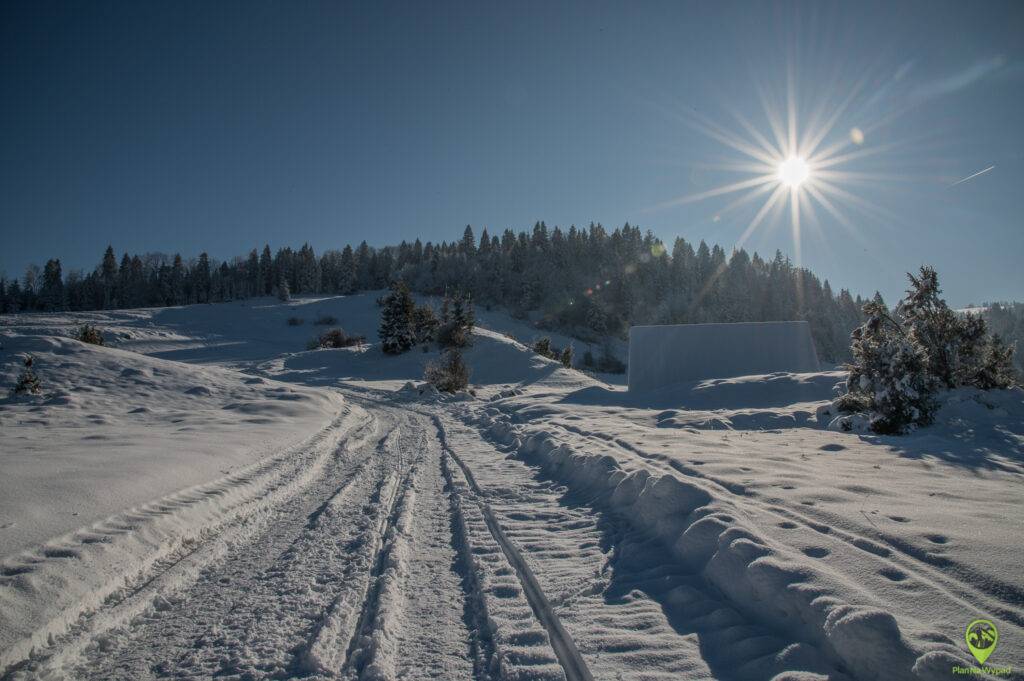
(793,171)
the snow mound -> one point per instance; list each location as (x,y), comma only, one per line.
(113,429)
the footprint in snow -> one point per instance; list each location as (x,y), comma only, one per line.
(893,574)
(816,551)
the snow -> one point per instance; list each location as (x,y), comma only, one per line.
(248,508)
(113,429)
(664,355)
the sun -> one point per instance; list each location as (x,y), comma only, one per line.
(793,171)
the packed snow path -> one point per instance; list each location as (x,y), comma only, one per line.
(418,540)
(419,550)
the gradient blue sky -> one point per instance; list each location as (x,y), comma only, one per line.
(220,126)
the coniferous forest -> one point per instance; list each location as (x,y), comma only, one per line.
(589,282)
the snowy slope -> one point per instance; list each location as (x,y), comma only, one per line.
(554,526)
(113,429)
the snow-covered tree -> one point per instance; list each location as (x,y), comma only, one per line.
(995,365)
(902,360)
(888,378)
(457,321)
(397,333)
(425,323)
(283,291)
(28,381)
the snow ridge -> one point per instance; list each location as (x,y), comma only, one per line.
(757,579)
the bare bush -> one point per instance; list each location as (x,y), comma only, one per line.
(450,374)
(336,338)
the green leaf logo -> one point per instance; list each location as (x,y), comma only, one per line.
(982,638)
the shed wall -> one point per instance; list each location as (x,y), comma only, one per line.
(664,355)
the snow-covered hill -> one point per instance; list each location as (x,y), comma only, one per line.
(168,495)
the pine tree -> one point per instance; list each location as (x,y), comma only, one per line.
(347,275)
(468,244)
(28,381)
(995,366)
(178,281)
(934,326)
(397,333)
(889,375)
(201,279)
(463,314)
(284,293)
(52,293)
(425,323)
(252,275)
(267,271)
(108,275)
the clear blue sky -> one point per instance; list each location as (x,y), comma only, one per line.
(181,126)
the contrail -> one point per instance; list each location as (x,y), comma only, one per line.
(971,177)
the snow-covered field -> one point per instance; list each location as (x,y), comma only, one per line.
(206,498)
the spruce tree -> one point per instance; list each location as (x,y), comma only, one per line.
(397,332)
(267,271)
(425,323)
(52,294)
(889,376)
(201,279)
(347,274)
(108,275)
(28,381)
(283,291)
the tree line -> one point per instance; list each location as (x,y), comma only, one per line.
(592,283)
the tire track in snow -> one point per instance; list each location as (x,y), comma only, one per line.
(575,668)
(365,632)
(196,527)
(258,595)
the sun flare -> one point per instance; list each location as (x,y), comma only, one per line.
(795,165)
(793,171)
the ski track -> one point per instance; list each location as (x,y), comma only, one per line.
(632,612)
